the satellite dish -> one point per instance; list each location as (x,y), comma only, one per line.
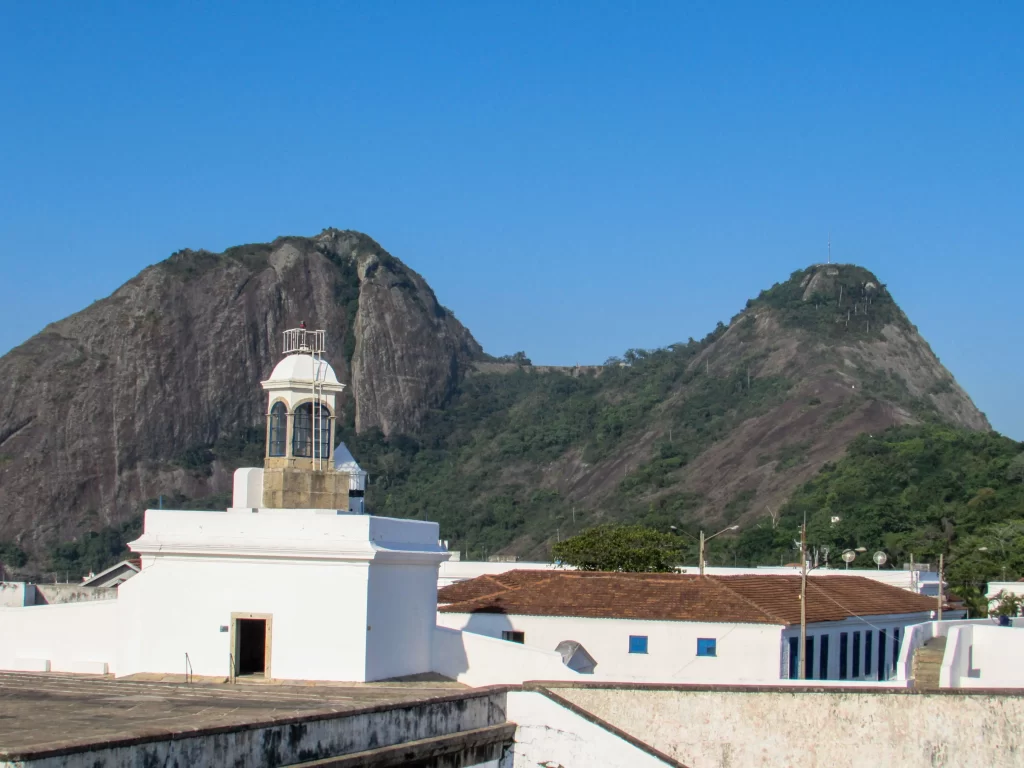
(879,558)
(849,556)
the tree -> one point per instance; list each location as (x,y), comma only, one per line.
(1007,604)
(631,548)
(519,358)
(12,555)
(1015,469)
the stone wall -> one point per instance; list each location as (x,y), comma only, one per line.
(58,594)
(716,727)
(287,487)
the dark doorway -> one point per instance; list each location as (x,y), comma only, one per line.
(252,646)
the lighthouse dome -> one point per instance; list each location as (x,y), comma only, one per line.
(299,367)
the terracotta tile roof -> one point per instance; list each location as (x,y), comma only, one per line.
(489,585)
(758,599)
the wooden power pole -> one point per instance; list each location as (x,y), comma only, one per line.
(801,662)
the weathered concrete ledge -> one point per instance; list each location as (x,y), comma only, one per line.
(717,726)
(466,748)
(122,725)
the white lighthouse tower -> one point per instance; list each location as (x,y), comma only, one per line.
(299,470)
(287,583)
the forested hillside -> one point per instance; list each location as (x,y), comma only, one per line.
(712,432)
(914,492)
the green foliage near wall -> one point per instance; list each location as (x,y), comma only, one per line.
(11,555)
(101,548)
(911,491)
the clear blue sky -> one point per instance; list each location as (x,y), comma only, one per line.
(573,179)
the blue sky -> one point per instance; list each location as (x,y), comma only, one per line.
(573,179)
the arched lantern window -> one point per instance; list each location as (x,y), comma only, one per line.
(277,439)
(302,432)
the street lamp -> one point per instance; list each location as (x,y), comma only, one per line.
(702,540)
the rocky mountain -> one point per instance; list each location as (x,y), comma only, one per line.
(711,432)
(138,394)
(152,391)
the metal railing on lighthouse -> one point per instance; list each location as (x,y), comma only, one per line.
(312,343)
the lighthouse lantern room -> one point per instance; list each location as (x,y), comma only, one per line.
(302,396)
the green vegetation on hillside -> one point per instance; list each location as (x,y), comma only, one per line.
(848,301)
(475,466)
(912,491)
(496,465)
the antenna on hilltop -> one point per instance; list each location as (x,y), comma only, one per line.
(830,247)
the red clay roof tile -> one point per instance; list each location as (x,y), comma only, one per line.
(755,598)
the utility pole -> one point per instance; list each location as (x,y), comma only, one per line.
(700,556)
(803,600)
(941,590)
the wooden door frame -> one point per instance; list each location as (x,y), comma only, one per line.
(235,639)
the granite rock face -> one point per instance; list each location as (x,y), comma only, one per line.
(97,410)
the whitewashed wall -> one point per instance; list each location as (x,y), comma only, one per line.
(15,594)
(315,573)
(479,660)
(746,652)
(549,734)
(178,605)
(980,656)
(400,619)
(842,729)
(73,637)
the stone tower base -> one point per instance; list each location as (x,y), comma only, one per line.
(286,486)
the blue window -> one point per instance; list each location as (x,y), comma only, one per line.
(638,643)
(707,646)
(277,438)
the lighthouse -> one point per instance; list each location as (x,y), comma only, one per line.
(291,582)
(302,398)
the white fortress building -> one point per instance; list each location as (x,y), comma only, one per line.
(292,582)
(296,582)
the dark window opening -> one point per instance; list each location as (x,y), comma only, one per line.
(513,637)
(794,655)
(277,439)
(867,652)
(809,661)
(823,661)
(881,654)
(844,647)
(856,655)
(252,646)
(302,432)
(895,647)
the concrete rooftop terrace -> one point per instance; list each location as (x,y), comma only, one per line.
(49,714)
